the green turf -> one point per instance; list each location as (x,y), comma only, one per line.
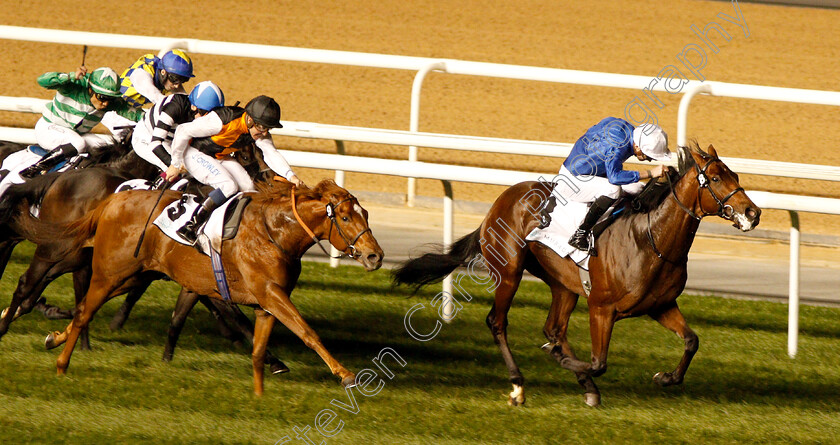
(741,387)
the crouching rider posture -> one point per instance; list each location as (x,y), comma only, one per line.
(595,166)
(202,146)
(80,101)
(152,137)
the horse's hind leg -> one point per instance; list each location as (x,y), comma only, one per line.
(672,318)
(96,296)
(30,285)
(497,322)
(563,302)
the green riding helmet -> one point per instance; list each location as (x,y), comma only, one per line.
(105,81)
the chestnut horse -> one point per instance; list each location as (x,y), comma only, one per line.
(640,268)
(262,262)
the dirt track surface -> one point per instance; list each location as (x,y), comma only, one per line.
(787,47)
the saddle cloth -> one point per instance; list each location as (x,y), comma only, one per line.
(178,213)
(564,219)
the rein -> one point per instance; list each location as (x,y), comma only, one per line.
(351,244)
(703,181)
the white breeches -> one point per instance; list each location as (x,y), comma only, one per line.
(50,136)
(227,175)
(585,188)
(140,142)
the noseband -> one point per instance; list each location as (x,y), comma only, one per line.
(330,208)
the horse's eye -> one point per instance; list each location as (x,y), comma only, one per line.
(345,219)
(715,179)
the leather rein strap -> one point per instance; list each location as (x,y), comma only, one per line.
(351,244)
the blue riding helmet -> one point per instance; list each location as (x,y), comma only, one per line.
(206,96)
(177,62)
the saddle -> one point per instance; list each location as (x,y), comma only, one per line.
(223,223)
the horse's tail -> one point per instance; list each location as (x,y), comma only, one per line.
(19,196)
(65,238)
(433,267)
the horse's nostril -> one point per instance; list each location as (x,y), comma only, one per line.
(374,258)
(752,213)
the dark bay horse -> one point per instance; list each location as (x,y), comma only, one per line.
(262,262)
(640,268)
(62,197)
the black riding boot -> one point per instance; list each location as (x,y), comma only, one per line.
(580,239)
(190,230)
(49,161)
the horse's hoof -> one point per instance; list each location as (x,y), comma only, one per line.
(3,314)
(547,347)
(50,343)
(592,399)
(349,381)
(664,379)
(279,368)
(517,396)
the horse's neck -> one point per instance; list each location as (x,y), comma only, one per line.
(290,236)
(671,226)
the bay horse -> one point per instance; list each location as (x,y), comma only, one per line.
(640,268)
(262,262)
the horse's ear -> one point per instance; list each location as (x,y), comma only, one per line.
(712,150)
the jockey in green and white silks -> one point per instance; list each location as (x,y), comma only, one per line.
(80,102)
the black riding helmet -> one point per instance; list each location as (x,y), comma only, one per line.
(264,111)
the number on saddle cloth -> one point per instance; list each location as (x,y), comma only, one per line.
(222,224)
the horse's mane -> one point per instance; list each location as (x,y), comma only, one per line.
(282,189)
(655,191)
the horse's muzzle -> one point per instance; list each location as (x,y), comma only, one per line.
(371,260)
(748,220)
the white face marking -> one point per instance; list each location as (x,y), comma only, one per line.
(357,208)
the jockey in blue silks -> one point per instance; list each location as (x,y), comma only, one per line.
(595,167)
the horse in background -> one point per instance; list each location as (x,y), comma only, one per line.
(641,267)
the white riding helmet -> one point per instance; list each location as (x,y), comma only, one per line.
(652,141)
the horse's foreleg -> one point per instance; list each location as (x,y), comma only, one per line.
(81,282)
(497,322)
(125,310)
(186,301)
(673,319)
(277,302)
(221,313)
(563,302)
(241,323)
(262,331)
(601,323)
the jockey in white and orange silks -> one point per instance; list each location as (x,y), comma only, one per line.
(202,147)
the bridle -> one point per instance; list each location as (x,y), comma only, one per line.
(703,180)
(724,211)
(330,208)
